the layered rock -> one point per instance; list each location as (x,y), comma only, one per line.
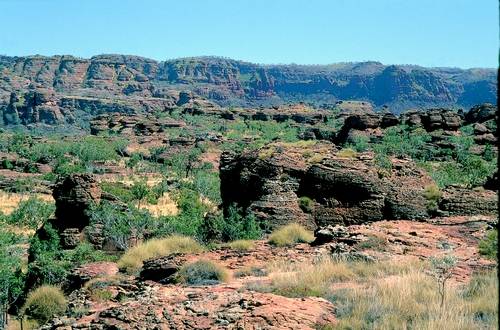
(343,189)
(131,124)
(231,82)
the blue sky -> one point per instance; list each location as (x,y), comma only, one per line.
(461,33)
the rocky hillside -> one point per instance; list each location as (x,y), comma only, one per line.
(130,83)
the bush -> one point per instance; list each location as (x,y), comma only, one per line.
(241,245)
(306,204)
(132,259)
(291,234)
(347,153)
(236,226)
(433,194)
(45,302)
(31,213)
(488,246)
(119,224)
(202,272)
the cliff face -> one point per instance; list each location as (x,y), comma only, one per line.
(134,83)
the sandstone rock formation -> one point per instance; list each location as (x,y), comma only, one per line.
(343,189)
(111,83)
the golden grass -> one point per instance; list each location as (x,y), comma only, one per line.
(241,245)
(347,153)
(315,278)
(202,272)
(15,324)
(411,301)
(132,260)
(291,234)
(388,295)
(10,201)
(165,206)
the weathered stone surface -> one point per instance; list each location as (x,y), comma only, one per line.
(74,195)
(82,274)
(344,190)
(481,113)
(162,269)
(461,201)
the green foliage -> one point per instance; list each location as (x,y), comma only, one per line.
(306,204)
(488,246)
(140,191)
(403,141)
(237,226)
(360,143)
(31,213)
(45,302)
(433,194)
(441,269)
(120,224)
(119,190)
(383,161)
(202,272)
(11,276)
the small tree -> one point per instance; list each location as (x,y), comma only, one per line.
(140,190)
(11,279)
(441,270)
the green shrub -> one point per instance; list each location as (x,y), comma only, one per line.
(306,204)
(120,224)
(488,246)
(45,302)
(360,143)
(119,190)
(31,213)
(291,234)
(236,226)
(11,275)
(202,272)
(433,194)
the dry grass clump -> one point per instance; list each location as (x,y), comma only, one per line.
(132,260)
(291,234)
(347,153)
(15,324)
(165,206)
(388,295)
(241,245)
(308,278)
(202,272)
(411,301)
(44,302)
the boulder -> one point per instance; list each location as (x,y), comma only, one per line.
(74,195)
(481,113)
(162,269)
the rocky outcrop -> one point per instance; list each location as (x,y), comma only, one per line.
(131,124)
(82,274)
(144,82)
(75,195)
(162,269)
(274,181)
(461,201)
(481,113)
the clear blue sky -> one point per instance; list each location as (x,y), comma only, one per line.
(462,33)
